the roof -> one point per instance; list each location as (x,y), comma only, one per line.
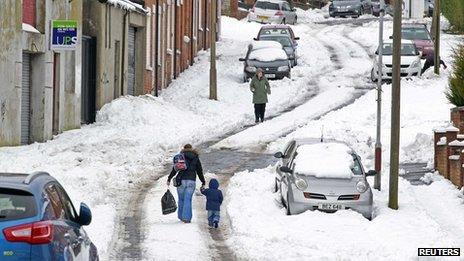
(266,45)
(276,26)
(403,41)
(22,181)
(418,25)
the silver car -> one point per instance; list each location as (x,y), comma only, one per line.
(286,42)
(272,11)
(301,192)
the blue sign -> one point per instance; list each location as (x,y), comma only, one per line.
(64,35)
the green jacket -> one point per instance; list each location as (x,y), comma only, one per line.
(260,89)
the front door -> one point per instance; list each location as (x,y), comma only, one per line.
(131,61)
(26,99)
(88,91)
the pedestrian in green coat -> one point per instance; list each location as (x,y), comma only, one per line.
(260,88)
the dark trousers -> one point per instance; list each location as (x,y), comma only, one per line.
(431,62)
(260,109)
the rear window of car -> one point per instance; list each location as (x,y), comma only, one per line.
(16,204)
(267,5)
(274,32)
(415,33)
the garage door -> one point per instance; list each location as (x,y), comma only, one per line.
(131,62)
(26,99)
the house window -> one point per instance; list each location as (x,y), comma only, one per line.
(29,12)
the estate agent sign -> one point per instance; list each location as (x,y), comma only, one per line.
(64,35)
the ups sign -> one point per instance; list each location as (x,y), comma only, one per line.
(64,35)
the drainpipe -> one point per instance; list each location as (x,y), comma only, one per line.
(191,34)
(174,53)
(205,32)
(156,49)
(123,53)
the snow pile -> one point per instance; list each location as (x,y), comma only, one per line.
(126,5)
(268,54)
(262,231)
(266,44)
(324,160)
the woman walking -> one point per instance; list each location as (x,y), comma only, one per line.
(260,88)
(186,181)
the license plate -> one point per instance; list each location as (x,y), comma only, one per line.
(270,75)
(330,206)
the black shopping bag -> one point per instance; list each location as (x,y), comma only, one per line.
(168,203)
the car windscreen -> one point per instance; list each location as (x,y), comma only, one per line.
(16,204)
(415,33)
(284,41)
(267,5)
(406,49)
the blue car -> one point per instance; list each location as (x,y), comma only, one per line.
(38,220)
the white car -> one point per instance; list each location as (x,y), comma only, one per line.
(410,60)
(272,11)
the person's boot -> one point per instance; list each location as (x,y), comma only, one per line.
(216,224)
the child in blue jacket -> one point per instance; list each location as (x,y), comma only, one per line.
(213,202)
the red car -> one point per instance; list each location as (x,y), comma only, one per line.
(277,29)
(420,35)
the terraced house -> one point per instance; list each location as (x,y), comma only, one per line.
(120,47)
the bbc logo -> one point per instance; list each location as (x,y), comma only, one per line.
(439,252)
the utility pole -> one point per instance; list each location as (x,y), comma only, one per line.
(395,110)
(212,71)
(436,16)
(378,143)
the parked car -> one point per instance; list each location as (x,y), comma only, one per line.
(269,56)
(326,176)
(272,11)
(420,35)
(376,8)
(410,60)
(354,8)
(286,42)
(38,220)
(279,29)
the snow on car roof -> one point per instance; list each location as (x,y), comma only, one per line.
(268,54)
(324,160)
(266,44)
(403,41)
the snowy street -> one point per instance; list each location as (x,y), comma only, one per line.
(119,164)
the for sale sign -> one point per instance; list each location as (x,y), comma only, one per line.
(64,35)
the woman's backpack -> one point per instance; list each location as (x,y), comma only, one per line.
(179,162)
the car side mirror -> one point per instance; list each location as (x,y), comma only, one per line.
(286,169)
(85,215)
(241,59)
(297,38)
(371,173)
(377,52)
(391,37)
(278,155)
(256,39)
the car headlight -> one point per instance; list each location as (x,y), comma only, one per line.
(361,187)
(301,184)
(282,68)
(250,69)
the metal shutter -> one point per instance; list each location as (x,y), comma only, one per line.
(131,62)
(26,99)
